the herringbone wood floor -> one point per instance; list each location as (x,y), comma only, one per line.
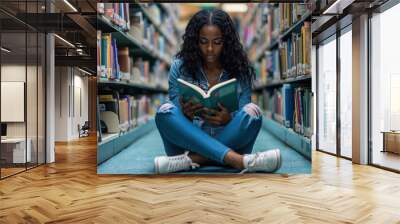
(70,191)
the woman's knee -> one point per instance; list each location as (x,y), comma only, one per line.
(253,110)
(165,108)
(162,110)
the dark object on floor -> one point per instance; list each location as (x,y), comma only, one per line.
(84,130)
(103,127)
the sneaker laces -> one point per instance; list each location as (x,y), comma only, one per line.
(179,163)
(254,161)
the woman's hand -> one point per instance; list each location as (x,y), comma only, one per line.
(189,109)
(217,117)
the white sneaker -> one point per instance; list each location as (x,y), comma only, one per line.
(267,161)
(170,164)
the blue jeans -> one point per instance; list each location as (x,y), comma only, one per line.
(179,134)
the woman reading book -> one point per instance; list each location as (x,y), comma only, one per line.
(194,135)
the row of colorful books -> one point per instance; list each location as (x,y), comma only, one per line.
(270,20)
(115,63)
(289,13)
(117,13)
(295,53)
(290,106)
(251,31)
(120,113)
(268,69)
(291,59)
(171,21)
(145,32)
(142,29)
(107,56)
(163,20)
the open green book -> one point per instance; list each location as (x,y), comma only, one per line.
(224,93)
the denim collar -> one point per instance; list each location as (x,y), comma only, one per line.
(222,76)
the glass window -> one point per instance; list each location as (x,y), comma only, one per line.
(327,96)
(22,90)
(346,93)
(15,151)
(385,88)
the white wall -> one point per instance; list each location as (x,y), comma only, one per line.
(16,73)
(61,103)
(68,84)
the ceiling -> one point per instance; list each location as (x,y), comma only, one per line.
(68,24)
(22,20)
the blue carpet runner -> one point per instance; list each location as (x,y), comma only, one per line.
(138,158)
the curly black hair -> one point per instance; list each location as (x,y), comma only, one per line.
(233,58)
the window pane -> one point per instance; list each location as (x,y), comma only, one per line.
(385,86)
(327,96)
(14,153)
(346,94)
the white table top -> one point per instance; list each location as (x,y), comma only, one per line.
(14,140)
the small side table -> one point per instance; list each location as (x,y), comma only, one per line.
(391,141)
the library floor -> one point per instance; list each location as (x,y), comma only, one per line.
(387,159)
(138,158)
(70,191)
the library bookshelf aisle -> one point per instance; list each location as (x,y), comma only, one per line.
(135,44)
(277,38)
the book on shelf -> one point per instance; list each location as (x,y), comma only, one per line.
(268,69)
(288,105)
(123,113)
(224,93)
(124,63)
(109,66)
(117,13)
(303,111)
(137,25)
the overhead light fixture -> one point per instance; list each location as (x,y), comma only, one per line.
(5,49)
(234,7)
(64,40)
(70,5)
(84,71)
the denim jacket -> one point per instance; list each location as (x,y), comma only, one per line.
(244,92)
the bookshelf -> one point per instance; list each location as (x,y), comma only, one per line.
(157,25)
(278,40)
(135,47)
(125,39)
(135,86)
(284,35)
(273,84)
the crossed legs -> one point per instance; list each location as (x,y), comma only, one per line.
(227,147)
